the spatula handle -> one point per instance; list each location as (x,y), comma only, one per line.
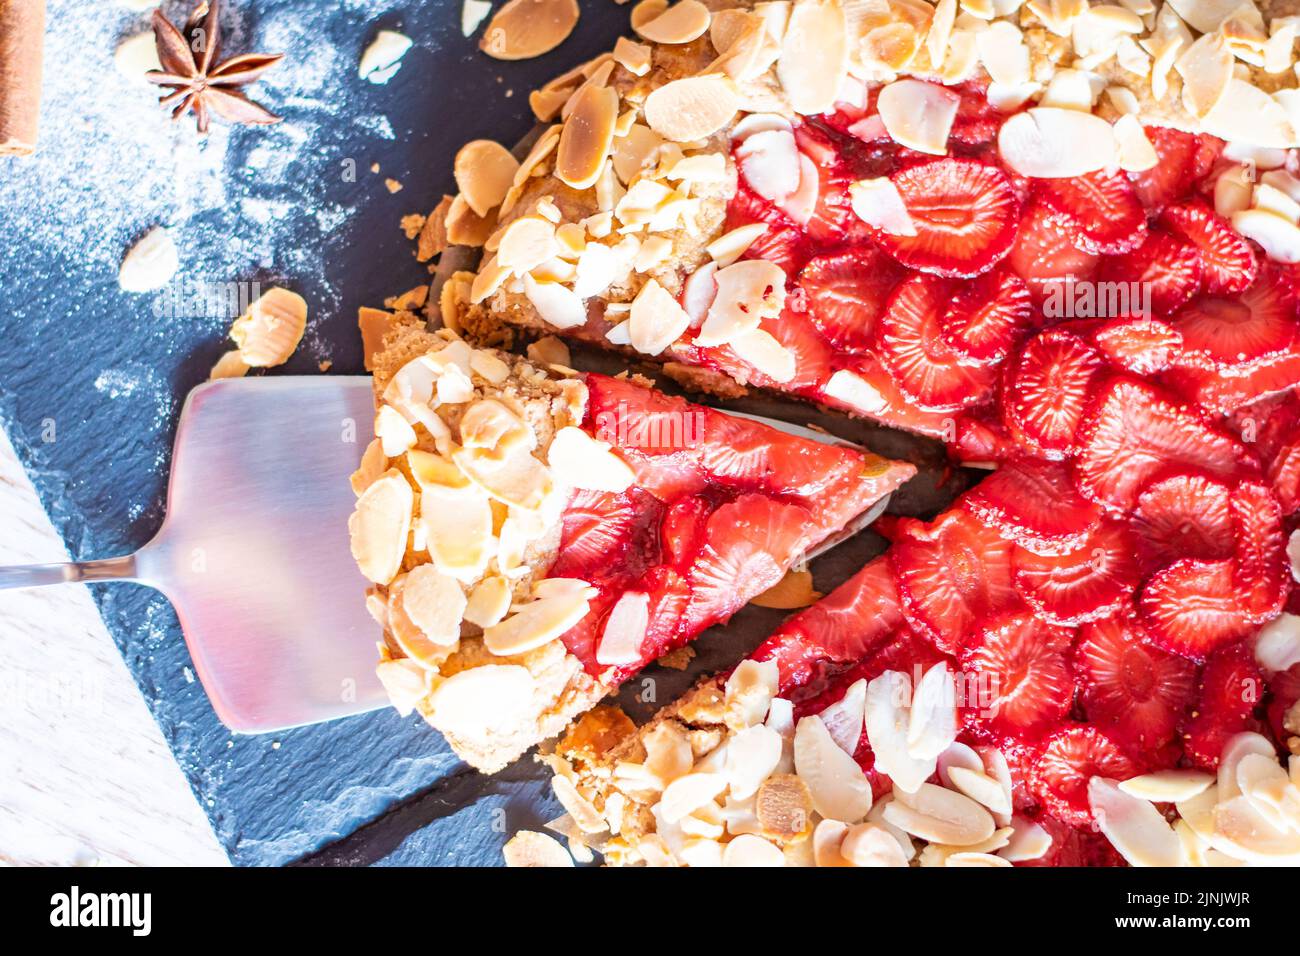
(39,575)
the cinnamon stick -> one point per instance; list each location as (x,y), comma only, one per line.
(22,34)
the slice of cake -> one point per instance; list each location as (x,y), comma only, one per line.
(534,536)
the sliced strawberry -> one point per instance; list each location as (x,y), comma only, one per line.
(1017,679)
(1283,718)
(1184,158)
(669,597)
(951,574)
(682,528)
(1182,516)
(1047,390)
(594,532)
(1238,332)
(1284,474)
(783,243)
(965,213)
(1262,576)
(1190,607)
(1223,391)
(1044,255)
(812,356)
(847,292)
(1136,691)
(1134,431)
(749,544)
(1166,268)
(1231,683)
(880,398)
(1138,343)
(1087,584)
(986,317)
(1101,206)
(1070,759)
(1206,734)
(910,346)
(1228,260)
(982,437)
(1034,504)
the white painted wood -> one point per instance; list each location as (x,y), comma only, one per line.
(85,777)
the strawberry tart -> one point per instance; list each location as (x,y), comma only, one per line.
(1060,237)
(535,536)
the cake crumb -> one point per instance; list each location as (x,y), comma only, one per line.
(393,185)
(412,224)
(679,659)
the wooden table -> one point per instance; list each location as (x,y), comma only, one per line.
(79,751)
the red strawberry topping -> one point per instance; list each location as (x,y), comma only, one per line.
(1103,208)
(1047,391)
(1089,583)
(1263,576)
(911,347)
(1044,255)
(1166,266)
(1139,344)
(1034,504)
(1134,431)
(1228,260)
(1191,608)
(1238,332)
(1017,675)
(965,213)
(951,574)
(1136,691)
(1182,516)
(1184,159)
(847,292)
(1070,759)
(986,317)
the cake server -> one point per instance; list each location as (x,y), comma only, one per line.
(253,552)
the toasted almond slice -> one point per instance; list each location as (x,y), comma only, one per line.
(526,243)
(580,461)
(632,56)
(693,108)
(527,28)
(489,424)
(558,307)
(434,603)
(1240,830)
(940,816)
(681,23)
(269,332)
(488,602)
(484,171)
(1279,237)
(802,203)
(747,292)
(878,203)
(457,524)
(1277,647)
(1206,16)
(1206,69)
(1070,90)
(1133,149)
(230,365)
(373,464)
(1167,786)
(668,753)
(405,682)
(932,719)
(769,160)
(752,756)
(751,850)
(1247,114)
(957,755)
(656,320)
(624,630)
(840,790)
(828,838)
(1264,781)
(381,60)
(1237,747)
(981,788)
(918,115)
(515,478)
(731,245)
(150,263)
(635,152)
(749,691)
(530,848)
(647,10)
(975,859)
(887,716)
(587,136)
(700,852)
(688,793)
(869,844)
(465,227)
(760,348)
(489,367)
(814,55)
(1004,54)
(1029,841)
(482,701)
(536,623)
(1049,143)
(379,526)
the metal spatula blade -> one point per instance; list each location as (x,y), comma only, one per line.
(254,551)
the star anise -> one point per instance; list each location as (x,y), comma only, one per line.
(199,80)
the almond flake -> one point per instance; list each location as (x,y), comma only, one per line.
(394,433)
(668,753)
(269,332)
(635,152)
(1237,748)
(877,202)
(581,461)
(1279,237)
(620,640)
(982,788)
(516,478)
(647,10)
(932,717)
(1167,786)
(405,683)
(957,755)
(632,56)
(526,243)
(750,850)
(839,788)
(1049,143)
(752,123)
(465,227)
(1247,114)
(975,859)
(230,365)
(537,623)
(692,108)
(1070,90)
(1277,647)
(488,601)
(1206,16)
(869,844)
(814,55)
(749,691)
(1243,832)
(918,115)
(373,464)
(843,719)
(1206,69)
(769,161)
(940,816)
(827,839)
(793,591)
(747,292)
(699,292)
(484,171)
(681,23)
(936,41)
(523,29)
(656,320)
(434,603)
(150,263)
(481,702)
(802,203)
(1133,149)
(489,424)
(557,306)
(752,755)
(1003,52)
(887,716)
(1029,841)
(457,525)
(688,793)
(528,848)
(379,526)
(587,136)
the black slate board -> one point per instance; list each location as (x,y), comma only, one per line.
(91,378)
